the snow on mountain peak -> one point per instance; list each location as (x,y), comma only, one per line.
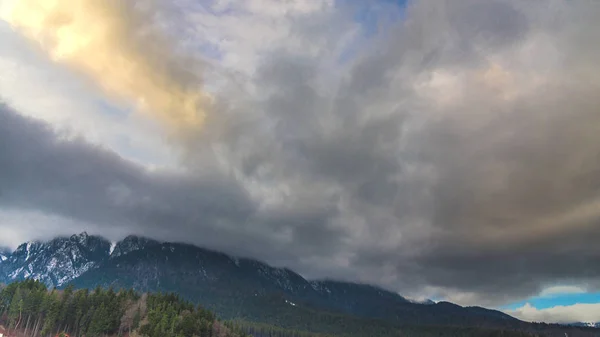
(4,254)
(57,261)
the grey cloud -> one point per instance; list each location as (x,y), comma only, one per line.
(83,186)
(68,177)
(489,23)
(77,179)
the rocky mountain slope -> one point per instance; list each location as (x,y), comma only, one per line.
(55,262)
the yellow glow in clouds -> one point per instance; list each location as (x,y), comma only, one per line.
(109,41)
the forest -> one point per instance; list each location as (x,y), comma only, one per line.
(29,308)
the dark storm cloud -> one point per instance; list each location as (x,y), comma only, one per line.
(46,172)
(458,157)
(42,170)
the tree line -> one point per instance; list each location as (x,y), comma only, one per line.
(32,309)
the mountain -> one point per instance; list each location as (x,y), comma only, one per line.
(239,287)
(232,286)
(585,324)
(55,262)
(235,288)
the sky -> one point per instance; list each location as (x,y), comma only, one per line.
(441,149)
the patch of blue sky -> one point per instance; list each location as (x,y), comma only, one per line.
(544,302)
(373,14)
(372,17)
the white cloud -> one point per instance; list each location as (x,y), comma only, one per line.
(580,312)
(559,290)
(243,31)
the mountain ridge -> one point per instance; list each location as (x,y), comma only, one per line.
(132,243)
(234,287)
(71,257)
